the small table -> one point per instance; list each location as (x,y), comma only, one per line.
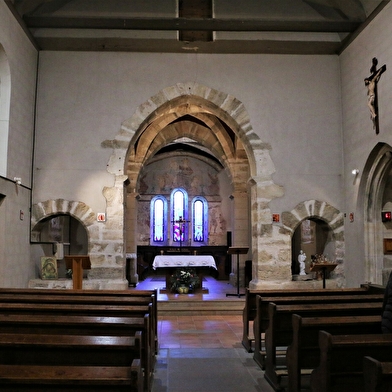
(323,267)
(171,262)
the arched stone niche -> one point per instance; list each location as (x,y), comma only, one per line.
(330,215)
(107,264)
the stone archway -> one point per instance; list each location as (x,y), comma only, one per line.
(259,188)
(371,189)
(107,265)
(327,213)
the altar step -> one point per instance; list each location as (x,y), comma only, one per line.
(195,307)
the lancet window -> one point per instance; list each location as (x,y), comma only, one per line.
(183,224)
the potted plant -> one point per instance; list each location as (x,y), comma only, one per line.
(183,280)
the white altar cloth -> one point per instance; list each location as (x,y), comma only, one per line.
(183,261)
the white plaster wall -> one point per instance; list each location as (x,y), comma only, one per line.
(359,136)
(16,266)
(293,102)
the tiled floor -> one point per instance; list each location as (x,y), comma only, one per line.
(200,332)
(203,353)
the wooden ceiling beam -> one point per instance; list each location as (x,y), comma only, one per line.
(178,24)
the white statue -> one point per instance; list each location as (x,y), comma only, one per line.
(301,261)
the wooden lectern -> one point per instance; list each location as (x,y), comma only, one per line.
(77,263)
(323,267)
(237,250)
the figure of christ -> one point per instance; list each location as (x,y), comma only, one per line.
(371,83)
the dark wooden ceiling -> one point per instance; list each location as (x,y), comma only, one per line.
(204,26)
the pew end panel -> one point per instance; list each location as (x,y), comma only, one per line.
(377,375)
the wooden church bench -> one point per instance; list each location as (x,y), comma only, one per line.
(86,325)
(377,375)
(341,360)
(28,356)
(68,310)
(249,311)
(261,320)
(69,297)
(280,331)
(36,378)
(97,296)
(303,353)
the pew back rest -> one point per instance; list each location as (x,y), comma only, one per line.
(377,375)
(341,360)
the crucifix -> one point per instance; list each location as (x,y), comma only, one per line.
(180,227)
(371,83)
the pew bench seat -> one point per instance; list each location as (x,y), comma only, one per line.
(40,357)
(34,378)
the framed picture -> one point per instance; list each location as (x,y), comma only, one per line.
(387,246)
(49,268)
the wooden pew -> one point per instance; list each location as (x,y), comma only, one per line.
(73,360)
(341,360)
(303,353)
(279,332)
(109,297)
(261,321)
(145,297)
(377,375)
(249,312)
(82,303)
(47,324)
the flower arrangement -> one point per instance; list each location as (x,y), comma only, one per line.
(184,277)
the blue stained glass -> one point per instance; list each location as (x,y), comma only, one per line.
(178,217)
(198,221)
(158,220)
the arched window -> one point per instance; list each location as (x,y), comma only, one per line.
(179,214)
(199,220)
(158,220)
(5,97)
(174,227)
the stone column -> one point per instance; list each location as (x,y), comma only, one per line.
(107,253)
(131,229)
(271,245)
(240,232)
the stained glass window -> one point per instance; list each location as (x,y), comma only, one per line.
(179,218)
(158,221)
(178,224)
(198,219)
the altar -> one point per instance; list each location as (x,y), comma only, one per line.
(169,263)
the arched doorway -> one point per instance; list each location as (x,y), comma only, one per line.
(374,196)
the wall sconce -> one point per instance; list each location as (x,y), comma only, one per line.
(355,172)
(386,216)
(17,180)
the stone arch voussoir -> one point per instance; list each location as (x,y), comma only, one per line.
(77,209)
